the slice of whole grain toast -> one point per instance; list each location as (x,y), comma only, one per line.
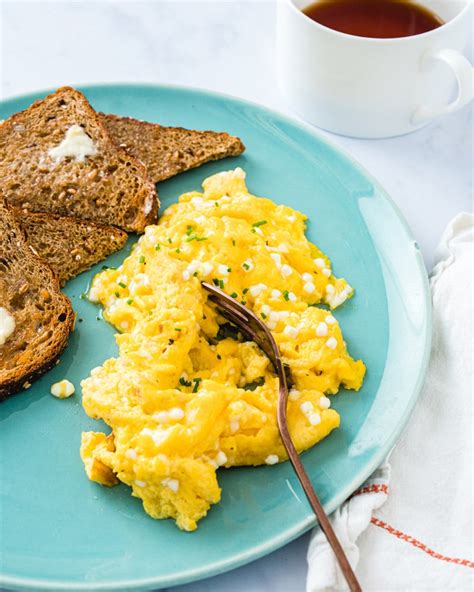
(45,166)
(43,316)
(167,151)
(69,245)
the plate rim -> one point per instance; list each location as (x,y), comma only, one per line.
(257,551)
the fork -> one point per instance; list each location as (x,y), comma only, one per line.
(256,330)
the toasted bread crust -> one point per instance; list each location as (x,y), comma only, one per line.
(111,187)
(69,245)
(44,317)
(167,151)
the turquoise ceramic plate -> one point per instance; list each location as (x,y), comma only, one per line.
(60,531)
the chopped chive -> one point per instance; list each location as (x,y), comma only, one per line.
(253,230)
(177,329)
(251,386)
(234,295)
(83,296)
(122,285)
(216,203)
(201,238)
(178,250)
(184,382)
(196,384)
(245,290)
(219,357)
(215,281)
(233,242)
(195,274)
(243,302)
(170,241)
(221,284)
(264,316)
(157,247)
(117,294)
(286,295)
(142,259)
(259,223)
(189,230)
(130,301)
(191,238)
(246,266)
(229,269)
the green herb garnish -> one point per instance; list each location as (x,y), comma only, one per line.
(251,386)
(259,223)
(196,384)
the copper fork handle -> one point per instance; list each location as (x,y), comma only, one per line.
(313,500)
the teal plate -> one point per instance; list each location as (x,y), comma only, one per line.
(59,531)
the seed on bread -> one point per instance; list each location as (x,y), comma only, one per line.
(43,317)
(167,151)
(40,139)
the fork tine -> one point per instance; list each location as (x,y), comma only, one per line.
(249,324)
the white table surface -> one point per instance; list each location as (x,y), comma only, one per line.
(226,46)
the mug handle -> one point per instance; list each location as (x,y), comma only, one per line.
(462,70)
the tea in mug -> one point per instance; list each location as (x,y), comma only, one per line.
(383,19)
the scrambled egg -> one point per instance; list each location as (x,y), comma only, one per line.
(187,394)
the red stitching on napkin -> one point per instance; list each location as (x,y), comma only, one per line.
(420,545)
(376,488)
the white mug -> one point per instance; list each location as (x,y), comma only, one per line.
(373,88)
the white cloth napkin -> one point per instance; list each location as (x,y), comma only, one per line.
(419,535)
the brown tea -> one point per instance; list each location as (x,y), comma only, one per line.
(374,18)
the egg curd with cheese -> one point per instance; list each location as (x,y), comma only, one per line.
(187,394)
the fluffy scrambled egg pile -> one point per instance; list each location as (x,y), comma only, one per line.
(187,394)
